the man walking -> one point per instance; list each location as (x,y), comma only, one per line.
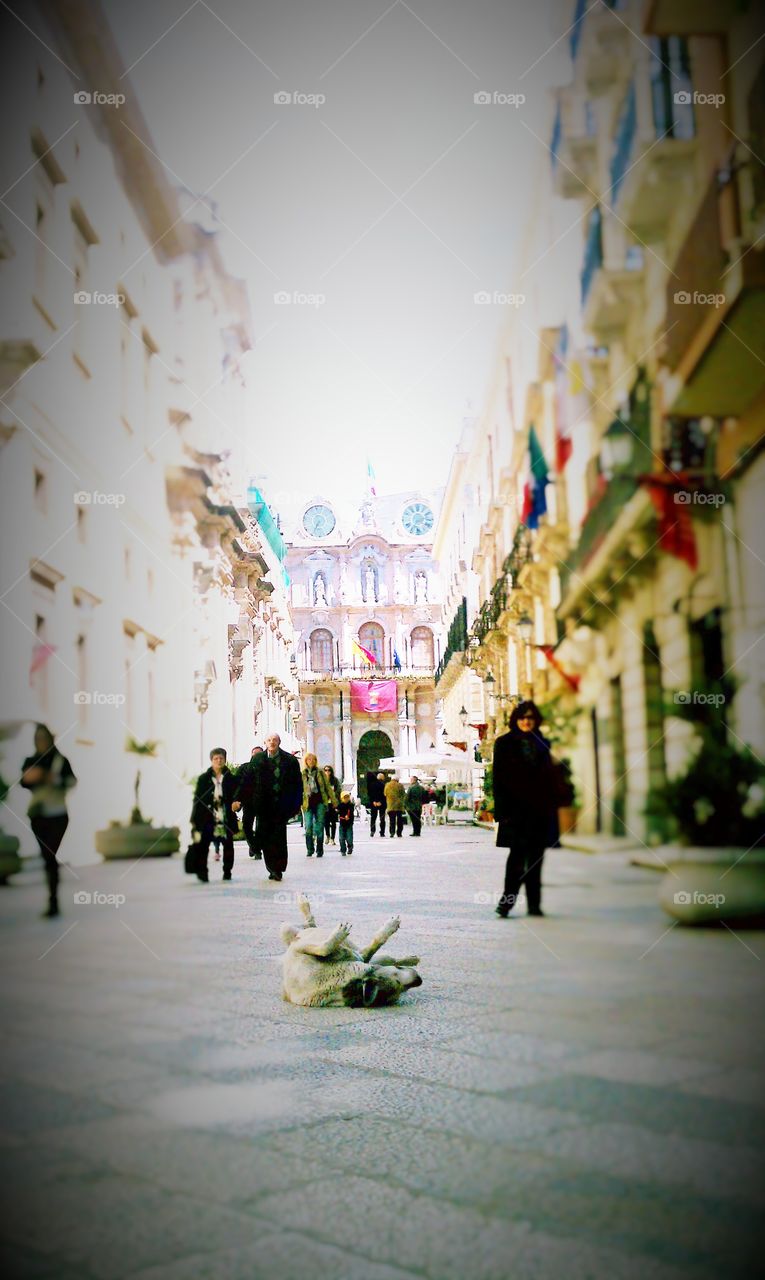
(395,796)
(212,813)
(276,794)
(415,799)
(245,800)
(317,795)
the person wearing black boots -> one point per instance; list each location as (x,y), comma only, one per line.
(212,813)
(48,775)
(245,800)
(525,806)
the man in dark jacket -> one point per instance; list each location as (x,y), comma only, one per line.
(277,797)
(377,802)
(525,806)
(415,799)
(245,800)
(212,813)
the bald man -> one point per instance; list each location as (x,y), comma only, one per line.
(277,794)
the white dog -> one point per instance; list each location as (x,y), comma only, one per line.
(323,967)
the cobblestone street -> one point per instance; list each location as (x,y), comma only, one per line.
(559,1100)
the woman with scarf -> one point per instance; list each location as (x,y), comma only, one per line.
(48,775)
(525,806)
(330,816)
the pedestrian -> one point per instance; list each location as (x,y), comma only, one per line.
(525,806)
(48,775)
(212,813)
(316,795)
(245,800)
(276,795)
(330,816)
(345,816)
(416,797)
(377,805)
(395,799)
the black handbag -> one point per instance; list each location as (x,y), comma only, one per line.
(190,860)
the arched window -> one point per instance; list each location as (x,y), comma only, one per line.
(321,650)
(422,647)
(372,637)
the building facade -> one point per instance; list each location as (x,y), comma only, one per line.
(142,605)
(371,585)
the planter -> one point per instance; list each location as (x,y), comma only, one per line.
(10,862)
(138,840)
(567,818)
(708,885)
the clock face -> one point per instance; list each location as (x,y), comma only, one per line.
(417,519)
(319,521)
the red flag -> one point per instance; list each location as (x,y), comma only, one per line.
(373,695)
(573,681)
(40,655)
(676,535)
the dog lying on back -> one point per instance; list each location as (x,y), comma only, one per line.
(324,967)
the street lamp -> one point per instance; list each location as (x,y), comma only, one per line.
(525,628)
(616,449)
(463,715)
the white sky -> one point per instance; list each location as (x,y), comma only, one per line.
(386,365)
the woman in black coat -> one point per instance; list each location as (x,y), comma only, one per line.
(48,775)
(212,813)
(525,806)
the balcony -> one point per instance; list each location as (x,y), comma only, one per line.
(574,149)
(715,314)
(652,165)
(456,643)
(262,513)
(610,287)
(349,672)
(602,46)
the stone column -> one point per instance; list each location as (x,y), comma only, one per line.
(309,722)
(338,748)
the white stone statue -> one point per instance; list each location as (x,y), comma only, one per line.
(319,592)
(420,587)
(369,584)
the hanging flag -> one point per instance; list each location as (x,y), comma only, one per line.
(573,681)
(40,655)
(363,654)
(534,496)
(563,391)
(371,478)
(676,535)
(374,695)
(396,661)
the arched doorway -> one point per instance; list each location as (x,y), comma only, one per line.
(373,747)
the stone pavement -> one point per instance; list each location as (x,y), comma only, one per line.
(576,1097)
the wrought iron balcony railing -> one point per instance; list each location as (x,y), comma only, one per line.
(456,640)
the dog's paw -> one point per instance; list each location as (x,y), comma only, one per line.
(393,926)
(342,931)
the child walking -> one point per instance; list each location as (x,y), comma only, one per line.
(345,815)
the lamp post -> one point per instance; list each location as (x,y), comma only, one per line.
(525,626)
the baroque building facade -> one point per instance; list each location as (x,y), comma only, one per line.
(366,582)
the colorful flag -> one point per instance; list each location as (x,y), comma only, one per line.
(371,478)
(363,654)
(563,391)
(534,497)
(374,695)
(396,661)
(676,535)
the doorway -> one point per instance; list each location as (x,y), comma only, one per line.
(373,747)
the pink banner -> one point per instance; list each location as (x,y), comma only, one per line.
(373,695)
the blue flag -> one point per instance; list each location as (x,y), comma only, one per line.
(396,661)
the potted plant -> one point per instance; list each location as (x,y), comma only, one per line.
(10,862)
(568,809)
(485,807)
(715,810)
(137,838)
(559,724)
